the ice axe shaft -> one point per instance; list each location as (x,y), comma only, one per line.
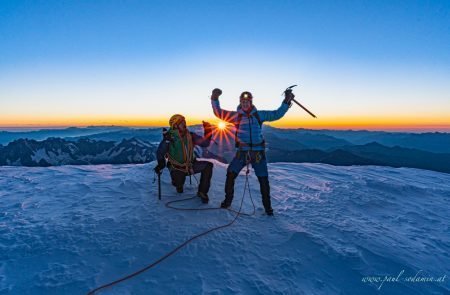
(289,90)
(300,105)
(159,186)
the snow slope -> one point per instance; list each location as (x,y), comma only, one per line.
(69,229)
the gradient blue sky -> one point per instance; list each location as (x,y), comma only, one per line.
(385,63)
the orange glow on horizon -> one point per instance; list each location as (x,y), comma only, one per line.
(339,123)
(368,123)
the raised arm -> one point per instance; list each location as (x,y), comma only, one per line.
(268,116)
(227,116)
(200,140)
(204,140)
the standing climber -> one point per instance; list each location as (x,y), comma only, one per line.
(250,145)
(178,147)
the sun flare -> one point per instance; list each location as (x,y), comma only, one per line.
(222,125)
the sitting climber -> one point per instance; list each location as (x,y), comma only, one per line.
(177,147)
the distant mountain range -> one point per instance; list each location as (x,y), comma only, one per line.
(57,151)
(100,145)
(9,136)
(367,154)
(437,142)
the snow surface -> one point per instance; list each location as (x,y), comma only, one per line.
(69,229)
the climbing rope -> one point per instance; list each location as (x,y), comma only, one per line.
(169,205)
(246,186)
(176,249)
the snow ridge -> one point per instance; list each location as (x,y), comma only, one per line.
(69,229)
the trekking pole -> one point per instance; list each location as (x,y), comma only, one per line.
(289,90)
(159,186)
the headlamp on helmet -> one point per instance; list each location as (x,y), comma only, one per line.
(246,95)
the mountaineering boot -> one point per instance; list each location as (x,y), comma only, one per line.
(177,186)
(229,189)
(205,178)
(265,193)
(178,179)
(204,197)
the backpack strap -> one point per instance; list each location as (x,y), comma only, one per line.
(237,125)
(256,115)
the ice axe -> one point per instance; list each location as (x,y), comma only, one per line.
(166,138)
(159,186)
(289,90)
(159,182)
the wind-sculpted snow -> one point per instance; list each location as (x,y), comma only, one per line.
(69,229)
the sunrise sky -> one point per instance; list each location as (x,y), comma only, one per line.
(381,65)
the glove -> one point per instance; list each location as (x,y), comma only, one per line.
(288,97)
(207,129)
(161,165)
(216,93)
